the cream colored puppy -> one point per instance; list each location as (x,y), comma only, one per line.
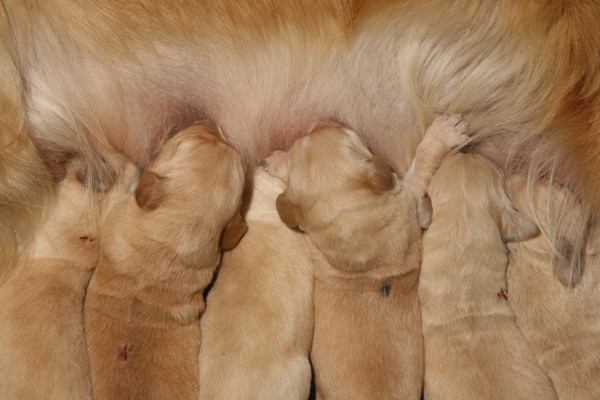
(473,346)
(160,248)
(258,324)
(365,222)
(42,342)
(562,324)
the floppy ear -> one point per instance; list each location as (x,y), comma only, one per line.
(233,232)
(567,264)
(150,192)
(289,213)
(424,211)
(516,226)
(379,177)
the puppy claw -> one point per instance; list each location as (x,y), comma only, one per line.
(451,130)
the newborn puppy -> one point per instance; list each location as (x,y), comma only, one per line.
(42,341)
(258,324)
(364,220)
(160,248)
(473,346)
(562,324)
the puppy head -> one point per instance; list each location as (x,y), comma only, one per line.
(334,164)
(478,188)
(195,184)
(150,191)
(341,196)
(565,239)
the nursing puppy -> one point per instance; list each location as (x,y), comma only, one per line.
(99,78)
(365,221)
(258,324)
(160,248)
(473,346)
(562,324)
(42,342)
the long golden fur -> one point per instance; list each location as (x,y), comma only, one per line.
(258,325)
(562,324)
(42,342)
(366,223)
(98,78)
(473,346)
(160,247)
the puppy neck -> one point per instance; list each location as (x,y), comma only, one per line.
(378,236)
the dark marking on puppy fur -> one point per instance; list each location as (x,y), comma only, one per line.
(503,294)
(386,290)
(124,354)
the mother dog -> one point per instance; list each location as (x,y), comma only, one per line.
(112,78)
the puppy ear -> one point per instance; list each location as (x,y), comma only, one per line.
(289,213)
(379,177)
(567,264)
(424,211)
(150,192)
(233,232)
(516,226)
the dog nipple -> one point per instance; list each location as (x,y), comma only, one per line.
(385,291)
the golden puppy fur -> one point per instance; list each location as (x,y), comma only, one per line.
(364,220)
(258,324)
(97,78)
(562,324)
(160,248)
(42,342)
(473,346)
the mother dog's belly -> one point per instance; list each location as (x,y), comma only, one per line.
(262,102)
(105,77)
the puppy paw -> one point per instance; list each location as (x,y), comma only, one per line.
(276,165)
(450,130)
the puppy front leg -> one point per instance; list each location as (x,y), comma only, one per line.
(445,133)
